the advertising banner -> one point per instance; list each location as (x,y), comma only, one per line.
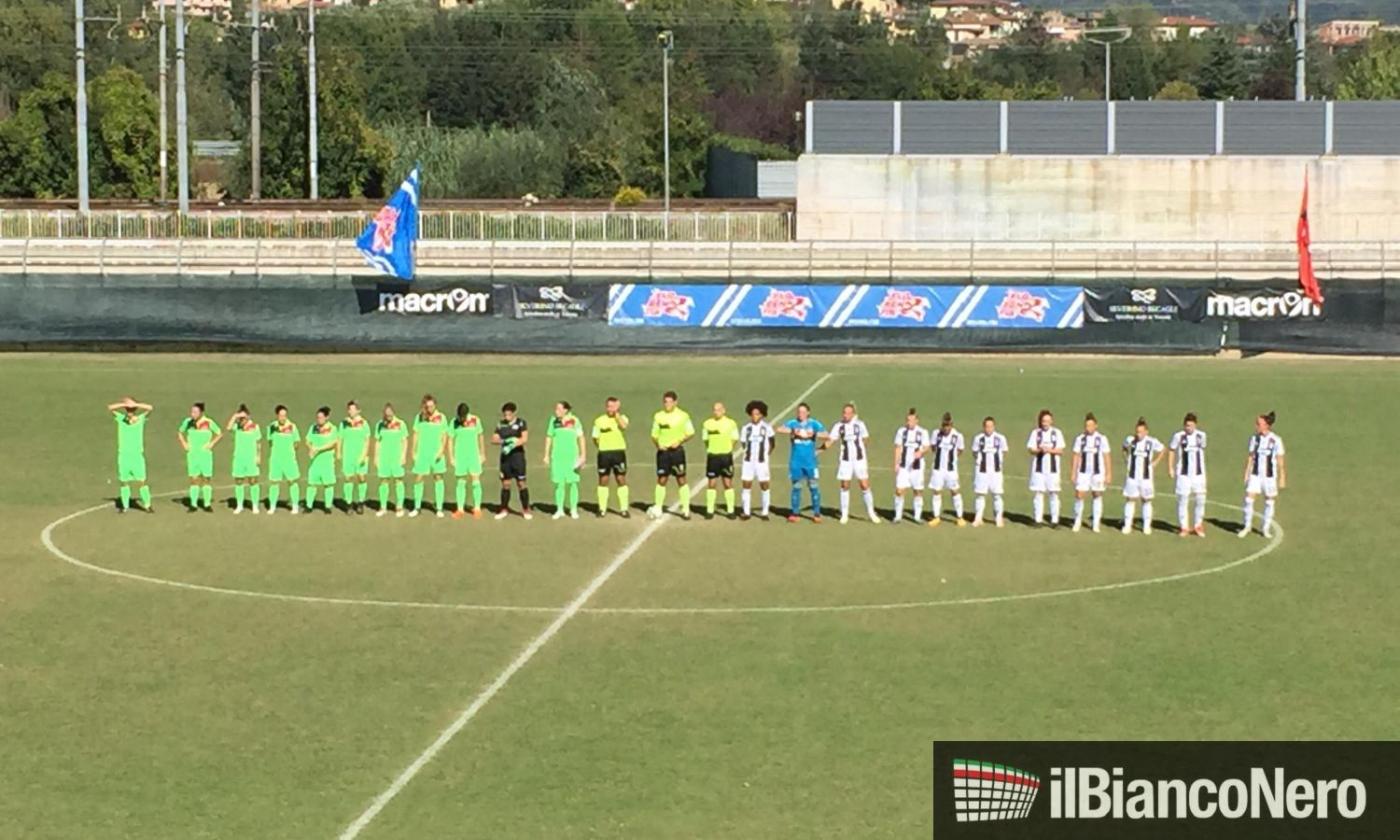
(460,299)
(560,302)
(1114,304)
(850,306)
(1262,305)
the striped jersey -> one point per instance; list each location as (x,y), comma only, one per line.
(851,434)
(1190,449)
(1140,452)
(946,446)
(1044,463)
(1266,449)
(1093,451)
(990,451)
(911,444)
(757,441)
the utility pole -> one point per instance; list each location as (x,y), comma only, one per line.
(164,115)
(311,92)
(80,56)
(1106,38)
(255,104)
(182,128)
(1300,43)
(668,40)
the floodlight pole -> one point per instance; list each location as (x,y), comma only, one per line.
(164,114)
(80,101)
(182,122)
(255,105)
(1300,45)
(668,40)
(311,95)
(1106,38)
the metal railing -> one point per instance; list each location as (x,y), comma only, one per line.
(464,225)
(846,261)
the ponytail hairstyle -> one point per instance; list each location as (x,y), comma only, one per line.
(1142,423)
(462,412)
(243,408)
(1090,416)
(1268,418)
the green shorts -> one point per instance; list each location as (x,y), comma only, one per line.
(424,466)
(389,471)
(355,469)
(131,468)
(279,471)
(246,468)
(466,470)
(321,472)
(563,473)
(199,464)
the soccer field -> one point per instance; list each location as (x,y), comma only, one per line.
(212,676)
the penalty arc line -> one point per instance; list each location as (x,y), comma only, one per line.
(521,660)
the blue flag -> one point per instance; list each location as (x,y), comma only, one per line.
(387,242)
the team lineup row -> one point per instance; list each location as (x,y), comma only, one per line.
(923,460)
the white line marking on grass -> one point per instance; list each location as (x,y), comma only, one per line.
(521,660)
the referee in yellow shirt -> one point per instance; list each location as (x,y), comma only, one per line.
(720,434)
(611,443)
(670,429)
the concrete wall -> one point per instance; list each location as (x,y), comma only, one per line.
(916,197)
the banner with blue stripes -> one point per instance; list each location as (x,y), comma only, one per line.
(837,307)
(387,241)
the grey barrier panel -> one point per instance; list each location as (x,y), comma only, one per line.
(853,127)
(1057,128)
(1165,128)
(1274,128)
(950,128)
(1366,128)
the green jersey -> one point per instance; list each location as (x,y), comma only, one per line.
(282,439)
(564,435)
(317,437)
(354,441)
(670,428)
(429,431)
(466,445)
(246,435)
(198,433)
(608,432)
(131,434)
(390,437)
(720,433)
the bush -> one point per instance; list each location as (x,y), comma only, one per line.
(628,196)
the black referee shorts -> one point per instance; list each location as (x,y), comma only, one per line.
(513,465)
(612,462)
(719,466)
(670,462)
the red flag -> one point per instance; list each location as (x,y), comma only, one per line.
(1306,278)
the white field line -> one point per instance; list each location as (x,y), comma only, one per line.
(521,660)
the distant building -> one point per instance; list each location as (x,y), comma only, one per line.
(1169,27)
(1061,26)
(1346,33)
(214,9)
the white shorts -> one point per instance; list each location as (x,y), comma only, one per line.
(907,477)
(751,471)
(1257,484)
(1187,485)
(943,480)
(1087,482)
(984,483)
(1045,482)
(847,470)
(1139,488)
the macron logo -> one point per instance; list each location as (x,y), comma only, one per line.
(983,791)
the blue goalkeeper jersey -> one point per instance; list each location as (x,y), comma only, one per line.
(804,449)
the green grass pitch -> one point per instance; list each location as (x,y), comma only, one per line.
(131,709)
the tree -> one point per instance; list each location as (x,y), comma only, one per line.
(1178,91)
(1374,71)
(38,145)
(1223,75)
(126,152)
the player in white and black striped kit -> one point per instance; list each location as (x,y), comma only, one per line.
(989,451)
(910,447)
(1046,445)
(947,442)
(1092,469)
(756,439)
(1263,473)
(1186,462)
(1143,452)
(854,463)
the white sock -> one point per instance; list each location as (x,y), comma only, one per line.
(1055,508)
(1146,514)
(1248,512)
(979,504)
(746,495)
(957,505)
(1098,510)
(869,503)
(1268,513)
(845,502)
(937,505)
(997,506)
(1181,512)
(767,496)
(1078,510)
(919,506)
(1200,509)
(1038,507)
(1129,507)
(898,508)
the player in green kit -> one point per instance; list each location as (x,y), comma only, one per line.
(130,417)
(354,458)
(390,452)
(670,429)
(429,453)
(720,434)
(322,445)
(247,457)
(564,455)
(467,454)
(608,435)
(198,435)
(282,465)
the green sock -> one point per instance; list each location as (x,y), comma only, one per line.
(310,497)
(476,493)
(330,496)
(623,497)
(383,495)
(439,493)
(125,497)
(417,495)
(573,497)
(209,496)
(274,495)
(238,496)
(729,499)
(710,495)
(363,488)
(295,490)
(194,495)
(461,494)
(398,494)
(603,492)
(685,497)
(347,492)
(659,497)
(559,497)
(145,494)
(253,493)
